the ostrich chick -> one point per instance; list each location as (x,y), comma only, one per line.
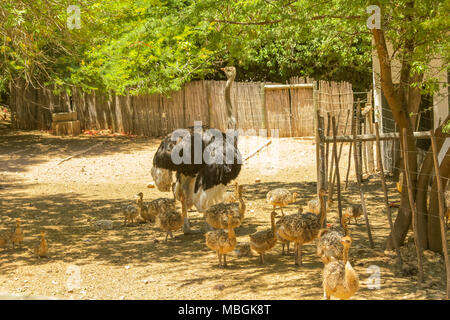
(131,212)
(222,242)
(231,197)
(171,220)
(302,228)
(42,250)
(155,207)
(339,278)
(217,215)
(284,242)
(281,198)
(17,236)
(329,244)
(354,211)
(265,240)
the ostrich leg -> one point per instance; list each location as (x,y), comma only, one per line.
(186,225)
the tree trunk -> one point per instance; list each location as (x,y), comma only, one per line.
(398,103)
(422,189)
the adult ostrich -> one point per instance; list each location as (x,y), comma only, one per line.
(205,160)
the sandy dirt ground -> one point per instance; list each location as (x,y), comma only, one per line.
(133,262)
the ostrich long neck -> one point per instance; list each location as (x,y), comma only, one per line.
(231,234)
(228,104)
(241,204)
(344,224)
(274,226)
(43,243)
(345,255)
(140,203)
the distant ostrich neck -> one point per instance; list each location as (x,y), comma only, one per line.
(345,255)
(231,119)
(241,204)
(274,226)
(231,234)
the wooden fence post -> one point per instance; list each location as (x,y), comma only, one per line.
(441,209)
(265,120)
(412,205)
(361,192)
(338,177)
(386,199)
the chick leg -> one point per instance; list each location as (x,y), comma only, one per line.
(282,210)
(356,222)
(225,260)
(299,248)
(296,253)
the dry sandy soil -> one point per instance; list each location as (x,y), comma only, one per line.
(133,262)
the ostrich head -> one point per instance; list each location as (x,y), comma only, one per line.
(230,72)
(139,197)
(346,242)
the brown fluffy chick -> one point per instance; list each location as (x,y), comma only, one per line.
(339,278)
(155,207)
(17,236)
(222,242)
(280,197)
(284,242)
(41,250)
(302,228)
(329,244)
(217,216)
(132,211)
(265,240)
(231,197)
(354,211)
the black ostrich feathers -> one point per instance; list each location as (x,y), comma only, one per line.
(209,154)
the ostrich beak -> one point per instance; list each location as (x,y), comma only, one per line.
(223,69)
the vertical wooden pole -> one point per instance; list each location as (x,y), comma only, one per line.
(317,138)
(337,168)
(361,192)
(370,157)
(350,151)
(364,145)
(441,209)
(184,107)
(333,182)
(412,205)
(386,199)
(328,162)
(358,145)
(323,178)
(209,103)
(265,119)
